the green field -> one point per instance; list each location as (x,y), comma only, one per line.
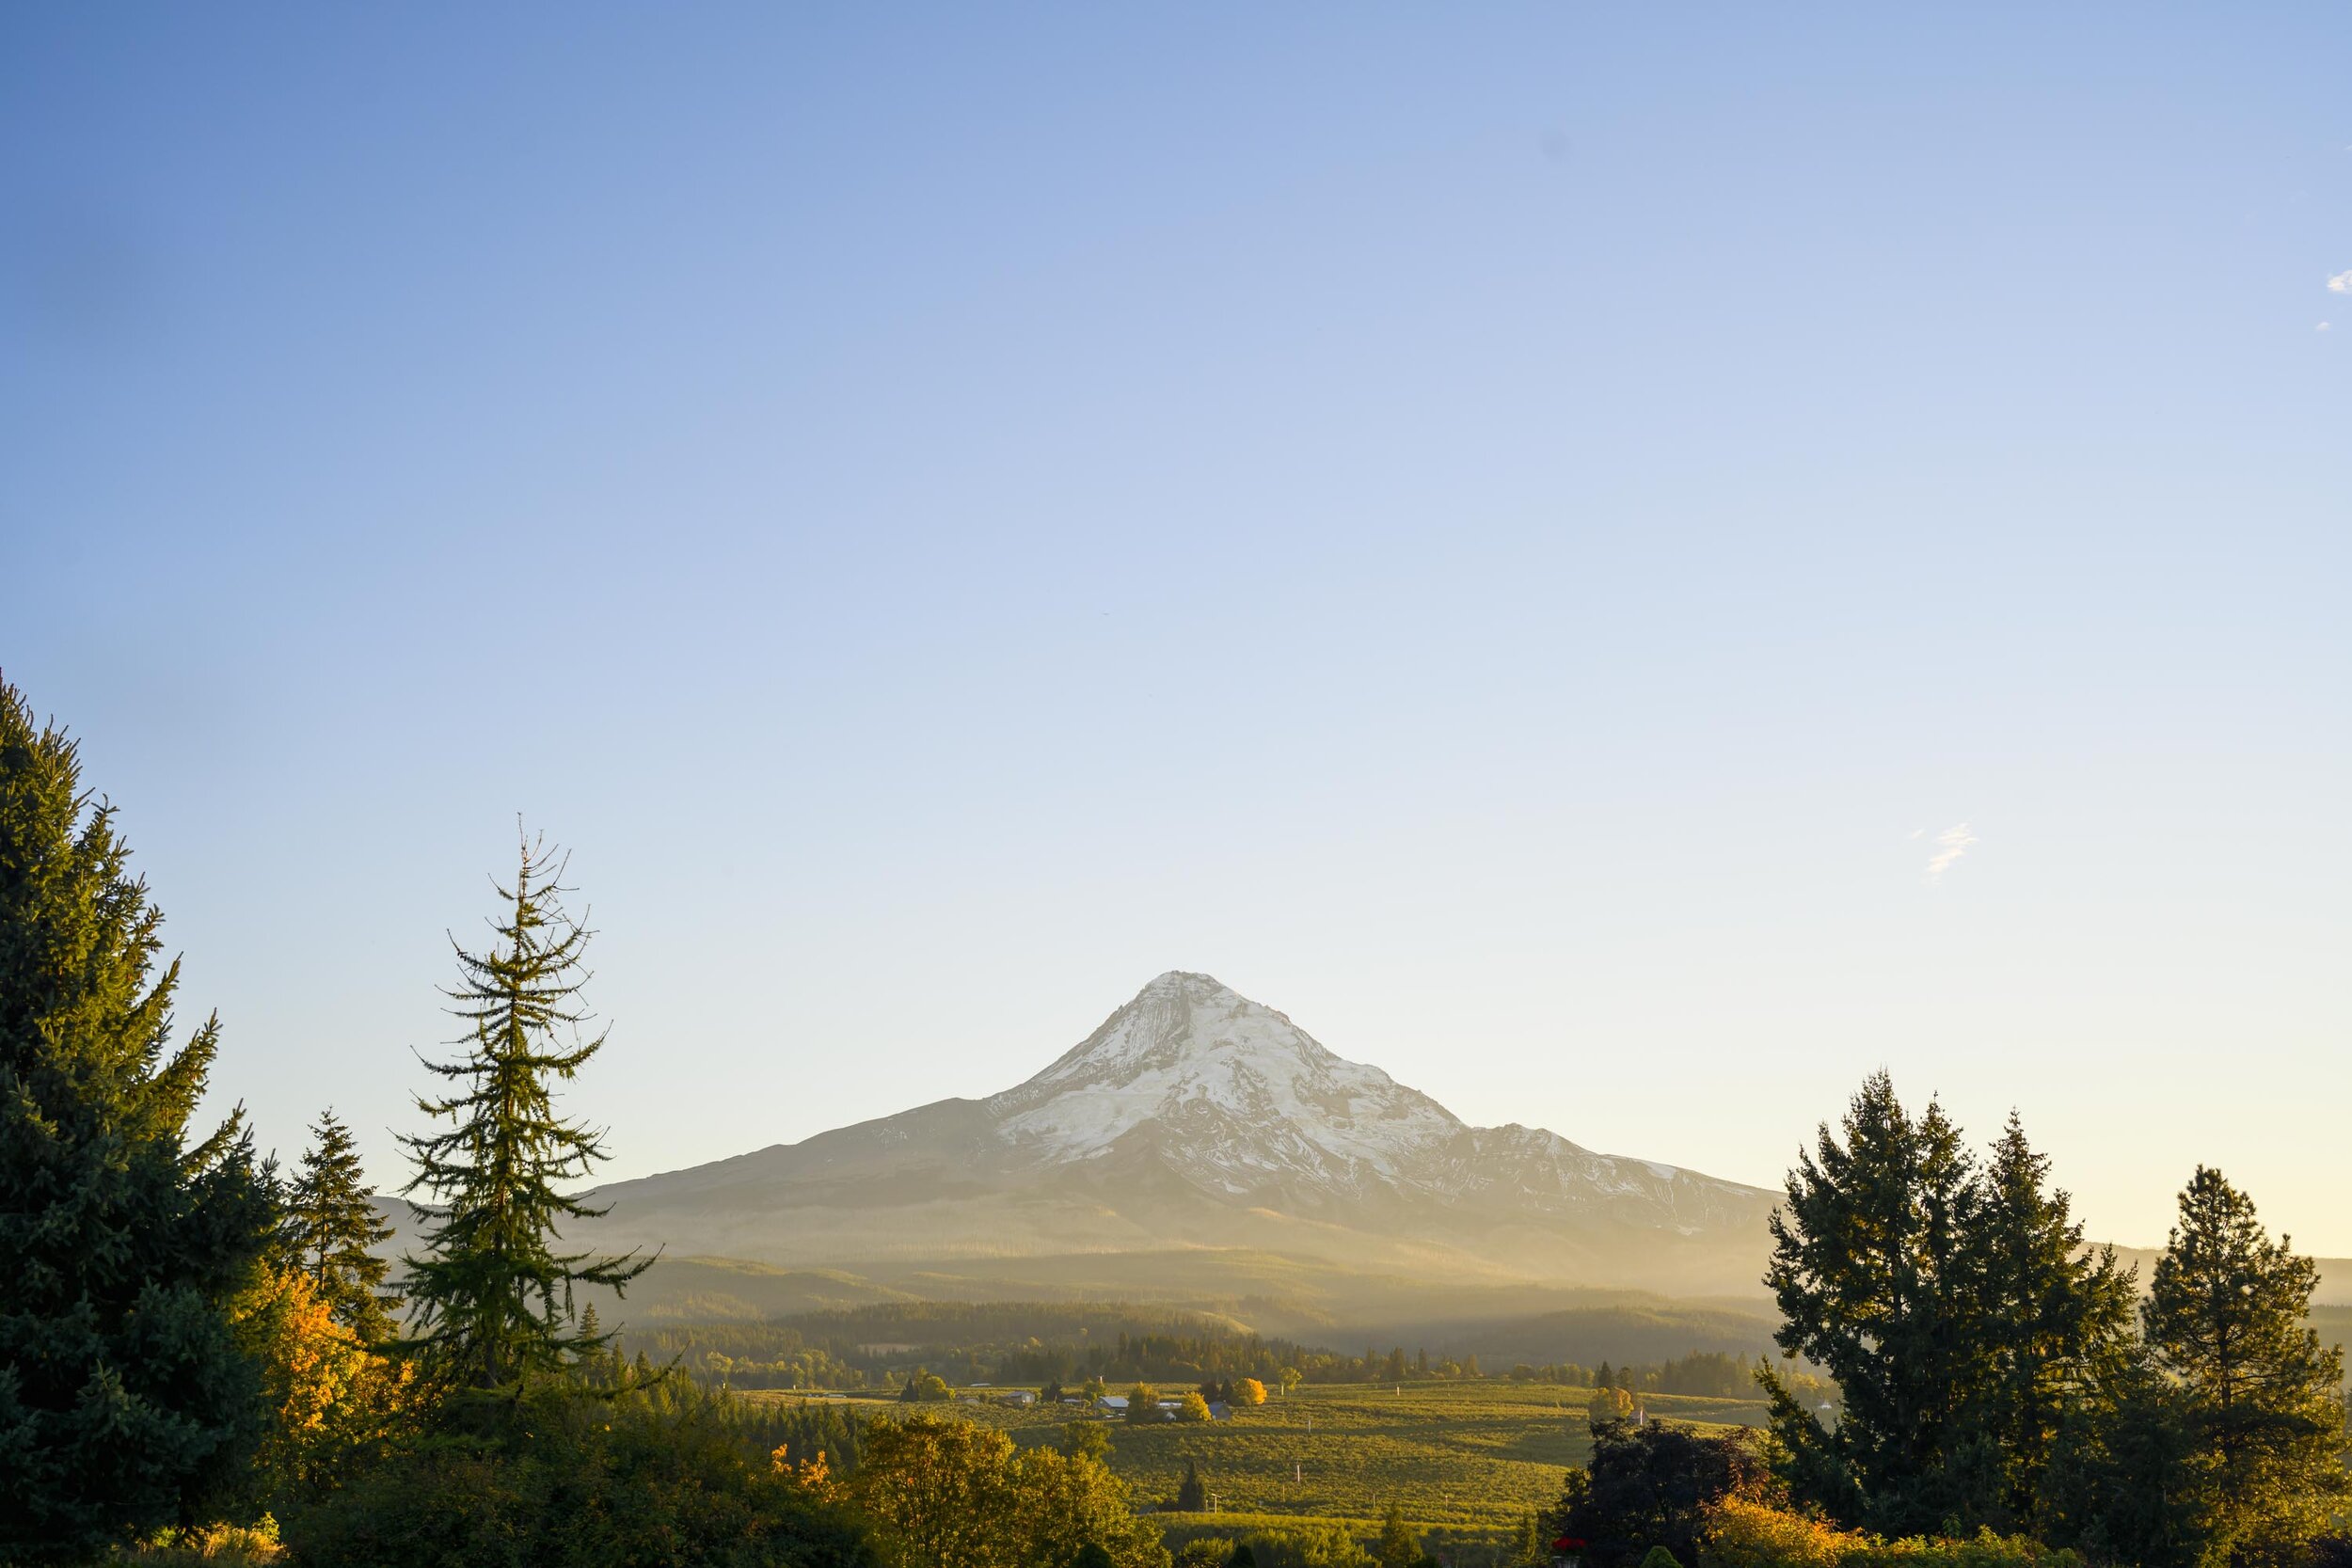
(1459,1454)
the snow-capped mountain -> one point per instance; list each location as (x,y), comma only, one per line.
(1252,1095)
(1195,1117)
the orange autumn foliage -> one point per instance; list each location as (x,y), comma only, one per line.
(1740,1534)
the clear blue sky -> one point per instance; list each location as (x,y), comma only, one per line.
(1508,533)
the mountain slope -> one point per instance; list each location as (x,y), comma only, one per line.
(1195,1118)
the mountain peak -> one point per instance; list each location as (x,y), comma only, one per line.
(1186,983)
(1189,1051)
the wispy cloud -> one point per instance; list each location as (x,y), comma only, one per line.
(1950,844)
(2340,283)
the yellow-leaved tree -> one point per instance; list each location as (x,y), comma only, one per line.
(1609,1404)
(947,1491)
(333,1401)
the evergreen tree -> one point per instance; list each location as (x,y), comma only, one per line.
(2225,1318)
(492,1300)
(1876,1275)
(2122,1484)
(124,1400)
(332,1230)
(1397,1547)
(2059,1316)
(1191,1496)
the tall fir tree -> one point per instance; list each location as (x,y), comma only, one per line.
(2225,1318)
(332,1231)
(2058,1317)
(124,1401)
(492,1300)
(1877,1282)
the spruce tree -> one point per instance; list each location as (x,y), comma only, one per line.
(332,1230)
(2225,1318)
(124,1402)
(492,1298)
(1191,1496)
(1876,1275)
(2058,1317)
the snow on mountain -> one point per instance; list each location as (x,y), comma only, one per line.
(1237,1099)
(1190,1052)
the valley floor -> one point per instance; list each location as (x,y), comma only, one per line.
(1475,1455)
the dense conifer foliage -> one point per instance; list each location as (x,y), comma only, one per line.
(1991,1373)
(2225,1321)
(125,1400)
(332,1231)
(1876,1272)
(2058,1317)
(492,1298)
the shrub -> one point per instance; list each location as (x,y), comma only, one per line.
(223,1545)
(578,1479)
(1264,1542)
(1309,1543)
(1741,1533)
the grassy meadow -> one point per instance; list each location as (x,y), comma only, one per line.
(1471,1455)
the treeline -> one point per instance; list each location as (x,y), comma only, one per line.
(1004,1342)
(1704,1374)
(1038,1344)
(752,1356)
